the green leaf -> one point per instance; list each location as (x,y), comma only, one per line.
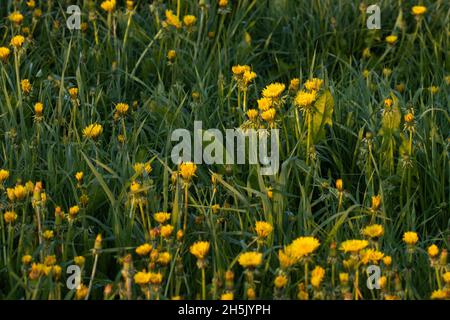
(322,116)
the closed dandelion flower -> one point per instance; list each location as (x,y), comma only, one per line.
(164,258)
(440,294)
(31,4)
(73,212)
(200,249)
(79,261)
(250,260)
(144,249)
(317,276)
(155,278)
(166,231)
(340,185)
(171,55)
(48,234)
(373,231)
(108,5)
(376,202)
(4,175)
(294,84)
(433,89)
(353,246)
(81,292)
(227,296)
(38,109)
(273,90)
(446,277)
(26,86)
(4,53)
(410,238)
(391,39)
(263,229)
(189,20)
(79,177)
(433,251)
(187,170)
(418,10)
(93,131)
(16,17)
(252,114)
(280,281)
(26,259)
(223,3)
(10,217)
(172,19)
(387,261)
(73,92)
(314,84)
(161,217)
(20,192)
(122,108)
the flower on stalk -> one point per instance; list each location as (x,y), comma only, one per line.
(4,53)
(93,131)
(122,108)
(16,17)
(10,217)
(391,39)
(26,86)
(353,246)
(273,91)
(161,217)
(187,171)
(250,260)
(144,249)
(410,238)
(108,5)
(314,84)
(317,276)
(172,19)
(200,250)
(263,229)
(4,175)
(418,11)
(373,231)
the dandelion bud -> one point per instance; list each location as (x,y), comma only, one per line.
(340,185)
(98,242)
(443,258)
(251,294)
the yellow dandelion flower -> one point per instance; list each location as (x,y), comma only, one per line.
(164,258)
(189,20)
(314,84)
(440,294)
(172,19)
(239,70)
(446,277)
(171,55)
(4,174)
(418,10)
(26,86)
(200,249)
(16,17)
(223,3)
(304,246)
(263,229)
(250,260)
(387,261)
(4,53)
(273,90)
(248,77)
(433,250)
(142,278)
(391,39)
(144,249)
(166,231)
(122,108)
(79,260)
(39,108)
(371,255)
(280,281)
(294,84)
(340,185)
(252,114)
(187,170)
(155,278)
(93,131)
(410,238)
(227,296)
(17,41)
(317,276)
(73,92)
(48,234)
(305,99)
(353,246)
(373,231)
(269,115)
(376,202)
(108,5)
(264,104)
(81,292)
(10,217)
(161,217)
(26,259)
